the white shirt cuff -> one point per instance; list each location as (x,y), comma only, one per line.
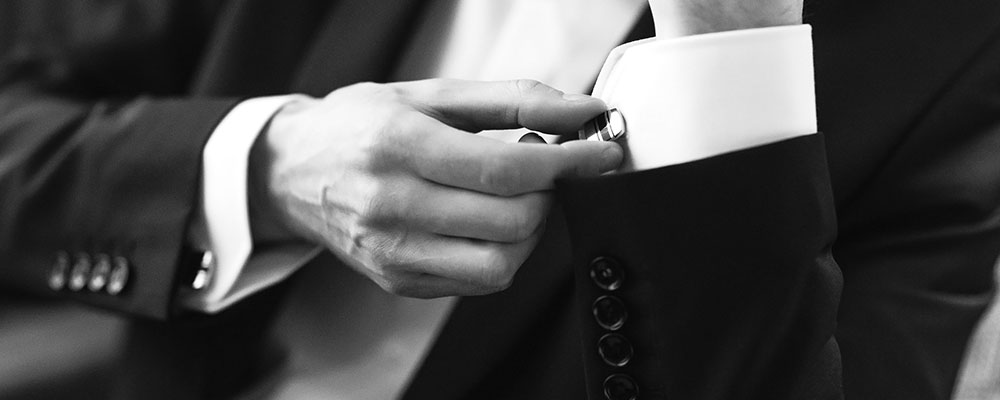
(222,224)
(694,97)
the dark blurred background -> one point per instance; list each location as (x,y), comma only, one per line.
(55,350)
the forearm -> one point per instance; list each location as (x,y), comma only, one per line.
(94,178)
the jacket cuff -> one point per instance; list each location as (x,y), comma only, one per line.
(711,279)
(136,185)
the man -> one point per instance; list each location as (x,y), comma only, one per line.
(723,263)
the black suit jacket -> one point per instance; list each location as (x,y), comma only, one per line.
(759,274)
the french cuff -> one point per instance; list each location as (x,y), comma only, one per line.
(232,269)
(694,97)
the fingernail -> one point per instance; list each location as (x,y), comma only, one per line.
(576,97)
(611,157)
(531,137)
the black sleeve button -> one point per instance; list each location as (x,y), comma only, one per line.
(119,276)
(80,274)
(614,349)
(610,312)
(57,275)
(99,276)
(620,387)
(606,273)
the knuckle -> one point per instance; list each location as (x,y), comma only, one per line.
(381,91)
(525,86)
(387,264)
(386,144)
(377,255)
(397,285)
(523,225)
(359,245)
(499,272)
(521,90)
(386,252)
(379,205)
(395,94)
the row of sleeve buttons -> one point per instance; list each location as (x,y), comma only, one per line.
(610,314)
(94,273)
(614,349)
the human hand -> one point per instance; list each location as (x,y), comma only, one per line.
(391,180)
(691,17)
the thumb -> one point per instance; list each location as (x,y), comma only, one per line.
(591,158)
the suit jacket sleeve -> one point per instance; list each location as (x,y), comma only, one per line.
(98,162)
(726,274)
(709,279)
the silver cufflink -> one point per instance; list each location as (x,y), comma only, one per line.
(205,271)
(606,127)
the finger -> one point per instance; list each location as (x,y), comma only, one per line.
(489,266)
(463,213)
(451,157)
(474,106)
(427,286)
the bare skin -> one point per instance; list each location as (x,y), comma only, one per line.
(392,179)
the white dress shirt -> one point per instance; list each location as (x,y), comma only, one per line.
(683,99)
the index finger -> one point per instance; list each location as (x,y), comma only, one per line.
(455,158)
(474,106)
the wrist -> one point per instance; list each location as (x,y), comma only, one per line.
(675,18)
(268,222)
